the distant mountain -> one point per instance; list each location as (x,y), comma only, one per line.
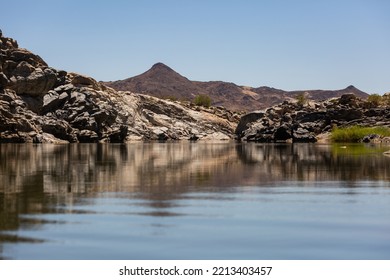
(163,82)
(160,81)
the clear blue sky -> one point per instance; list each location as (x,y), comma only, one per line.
(284,44)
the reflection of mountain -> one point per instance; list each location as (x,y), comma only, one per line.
(39,178)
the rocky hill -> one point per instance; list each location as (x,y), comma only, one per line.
(163,82)
(41,104)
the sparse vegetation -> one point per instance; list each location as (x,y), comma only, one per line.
(202,100)
(301,99)
(171,98)
(356,133)
(374,100)
(386,99)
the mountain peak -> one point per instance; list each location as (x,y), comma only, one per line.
(161,71)
(159,66)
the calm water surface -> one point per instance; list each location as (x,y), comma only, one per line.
(194,201)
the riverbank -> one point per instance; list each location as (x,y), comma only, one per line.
(312,121)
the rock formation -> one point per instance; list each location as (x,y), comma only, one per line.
(291,121)
(41,104)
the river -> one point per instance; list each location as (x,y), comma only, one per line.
(194,201)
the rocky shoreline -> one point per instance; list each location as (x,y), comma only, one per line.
(311,121)
(39,104)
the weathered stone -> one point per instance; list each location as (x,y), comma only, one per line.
(282,133)
(64,88)
(52,102)
(385,140)
(4,82)
(23,69)
(85,121)
(19,55)
(36,83)
(374,112)
(371,138)
(348,99)
(345,114)
(48,138)
(60,129)
(77,97)
(262,138)
(87,136)
(83,81)
(247,119)
(193,137)
(119,134)
(302,135)
(14,137)
(311,117)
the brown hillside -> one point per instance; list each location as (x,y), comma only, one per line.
(163,82)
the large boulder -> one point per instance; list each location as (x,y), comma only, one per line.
(23,55)
(248,119)
(52,101)
(83,81)
(32,81)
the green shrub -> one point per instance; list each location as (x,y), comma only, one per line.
(386,99)
(374,100)
(202,100)
(301,99)
(356,133)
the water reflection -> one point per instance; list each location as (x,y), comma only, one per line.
(303,162)
(175,167)
(50,179)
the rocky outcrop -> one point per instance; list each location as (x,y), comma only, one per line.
(293,122)
(41,104)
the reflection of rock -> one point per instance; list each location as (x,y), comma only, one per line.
(162,172)
(180,165)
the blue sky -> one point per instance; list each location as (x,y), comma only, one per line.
(284,44)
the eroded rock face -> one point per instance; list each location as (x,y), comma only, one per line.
(23,71)
(296,123)
(41,104)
